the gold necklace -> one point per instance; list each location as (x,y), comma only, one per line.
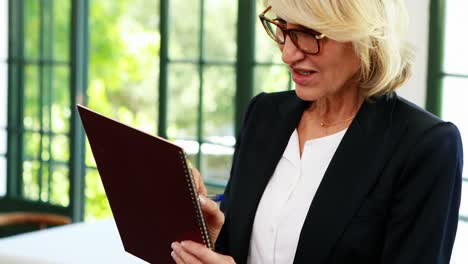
(322,124)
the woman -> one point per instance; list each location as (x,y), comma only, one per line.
(341,170)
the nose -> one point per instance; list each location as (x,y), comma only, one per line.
(290,53)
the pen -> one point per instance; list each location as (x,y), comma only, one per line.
(216,197)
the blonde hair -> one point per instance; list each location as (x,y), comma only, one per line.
(377,29)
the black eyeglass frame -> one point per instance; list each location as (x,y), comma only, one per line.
(290,32)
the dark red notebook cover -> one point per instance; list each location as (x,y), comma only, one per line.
(148,185)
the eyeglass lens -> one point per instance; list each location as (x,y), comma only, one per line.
(304,41)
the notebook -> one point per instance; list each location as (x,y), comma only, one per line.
(149,187)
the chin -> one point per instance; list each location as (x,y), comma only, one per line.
(308,93)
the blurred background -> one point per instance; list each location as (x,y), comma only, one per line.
(184,70)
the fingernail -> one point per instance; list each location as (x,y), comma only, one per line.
(173,245)
(182,243)
(173,255)
(202,199)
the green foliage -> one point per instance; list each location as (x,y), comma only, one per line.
(124,50)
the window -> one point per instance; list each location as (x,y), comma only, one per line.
(448,88)
(3,93)
(179,82)
(43,75)
(189,82)
(46,103)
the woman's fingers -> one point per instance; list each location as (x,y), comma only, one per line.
(199,184)
(189,252)
(211,211)
(181,255)
(213,216)
(176,258)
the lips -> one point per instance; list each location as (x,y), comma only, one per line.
(302,76)
(305,73)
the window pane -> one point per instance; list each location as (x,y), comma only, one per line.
(32,29)
(2,176)
(218,121)
(266,50)
(459,253)
(60,148)
(61,29)
(3,142)
(454,107)
(60,186)
(220,30)
(191,148)
(45,171)
(44,148)
(184,29)
(464,200)
(97,206)
(271,79)
(46,25)
(60,100)
(3,120)
(89,159)
(31,144)
(218,98)
(30,179)
(456,40)
(183,102)
(3,148)
(216,163)
(3,32)
(31,98)
(3,98)
(3,95)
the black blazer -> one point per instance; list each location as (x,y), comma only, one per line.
(391,193)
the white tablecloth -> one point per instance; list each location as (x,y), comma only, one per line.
(99,242)
(94,242)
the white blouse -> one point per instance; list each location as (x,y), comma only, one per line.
(286,200)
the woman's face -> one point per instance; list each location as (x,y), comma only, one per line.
(333,71)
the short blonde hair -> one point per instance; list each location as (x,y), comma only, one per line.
(377,29)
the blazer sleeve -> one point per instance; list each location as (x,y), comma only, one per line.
(424,214)
(222,243)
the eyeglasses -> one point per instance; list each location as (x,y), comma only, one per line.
(306,40)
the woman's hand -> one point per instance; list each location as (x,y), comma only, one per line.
(199,185)
(189,252)
(213,216)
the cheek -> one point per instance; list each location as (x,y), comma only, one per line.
(342,68)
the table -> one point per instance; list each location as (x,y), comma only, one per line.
(90,242)
(99,242)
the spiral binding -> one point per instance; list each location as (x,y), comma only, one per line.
(195,201)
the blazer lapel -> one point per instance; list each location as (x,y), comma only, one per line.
(289,115)
(351,173)
(260,163)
